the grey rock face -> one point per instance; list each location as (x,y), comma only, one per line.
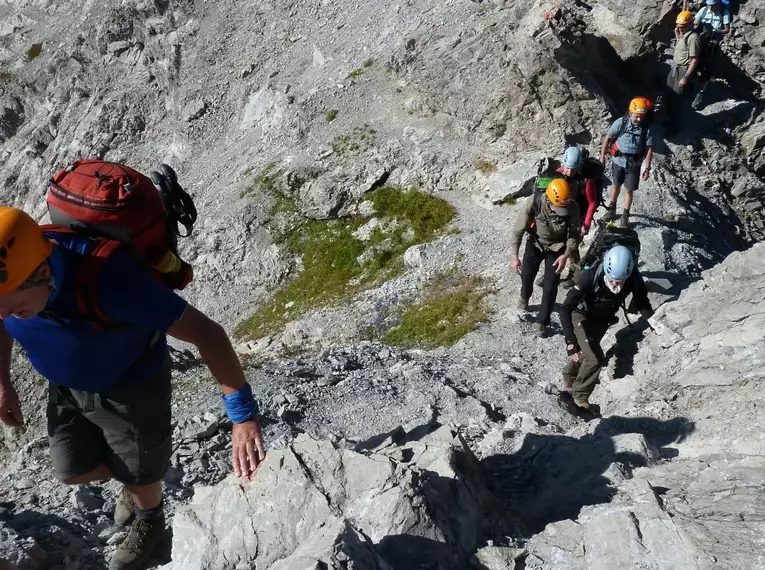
(17,553)
(312,497)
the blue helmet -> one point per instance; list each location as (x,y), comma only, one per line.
(618,263)
(573,158)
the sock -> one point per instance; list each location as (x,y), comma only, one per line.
(149,514)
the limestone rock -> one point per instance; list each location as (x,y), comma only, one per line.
(754,138)
(17,553)
(515,180)
(313,499)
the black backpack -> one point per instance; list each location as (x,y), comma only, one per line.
(607,238)
(708,47)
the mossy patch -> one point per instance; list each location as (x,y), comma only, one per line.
(484,165)
(453,305)
(331,115)
(338,264)
(34,52)
(359,139)
(267,181)
(356,73)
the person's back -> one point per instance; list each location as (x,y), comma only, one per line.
(93,321)
(70,351)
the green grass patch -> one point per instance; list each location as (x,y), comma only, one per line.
(267,181)
(337,264)
(359,139)
(356,73)
(454,305)
(34,51)
(369,63)
(331,115)
(484,165)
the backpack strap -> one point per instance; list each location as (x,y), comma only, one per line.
(97,252)
(88,278)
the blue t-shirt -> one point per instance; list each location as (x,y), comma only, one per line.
(68,351)
(629,142)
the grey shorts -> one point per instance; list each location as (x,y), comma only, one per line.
(126,427)
(629,176)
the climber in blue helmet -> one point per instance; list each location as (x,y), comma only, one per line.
(589,310)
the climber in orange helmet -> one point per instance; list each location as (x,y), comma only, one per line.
(551,219)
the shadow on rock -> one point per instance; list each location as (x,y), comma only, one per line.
(551,477)
(59,538)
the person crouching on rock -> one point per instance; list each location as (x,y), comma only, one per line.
(109,394)
(589,310)
(551,220)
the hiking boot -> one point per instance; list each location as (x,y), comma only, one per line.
(124,509)
(624,220)
(582,401)
(698,101)
(610,213)
(523,304)
(140,543)
(540,330)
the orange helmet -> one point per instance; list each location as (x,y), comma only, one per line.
(23,247)
(684,17)
(559,193)
(640,105)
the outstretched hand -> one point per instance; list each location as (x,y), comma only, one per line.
(10,407)
(247,451)
(560,263)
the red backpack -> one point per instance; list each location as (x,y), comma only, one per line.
(117,207)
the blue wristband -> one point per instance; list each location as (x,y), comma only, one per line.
(241,406)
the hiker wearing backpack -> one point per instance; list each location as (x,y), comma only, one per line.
(585,179)
(589,310)
(92,314)
(711,23)
(685,67)
(629,141)
(551,219)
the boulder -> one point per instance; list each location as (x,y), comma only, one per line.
(754,138)
(515,180)
(18,553)
(313,501)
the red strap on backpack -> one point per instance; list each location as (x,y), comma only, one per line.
(88,277)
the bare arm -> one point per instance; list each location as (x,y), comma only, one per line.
(648,158)
(6,348)
(214,346)
(604,148)
(10,407)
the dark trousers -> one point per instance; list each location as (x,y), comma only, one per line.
(532,259)
(584,375)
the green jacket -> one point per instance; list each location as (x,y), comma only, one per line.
(553,232)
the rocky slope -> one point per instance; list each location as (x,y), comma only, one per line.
(422,91)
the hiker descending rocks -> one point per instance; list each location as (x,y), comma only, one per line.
(629,141)
(551,219)
(711,23)
(585,181)
(688,51)
(92,313)
(590,309)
